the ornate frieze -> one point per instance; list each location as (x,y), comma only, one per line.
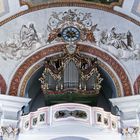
(70,26)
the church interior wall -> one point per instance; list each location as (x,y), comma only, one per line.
(116,31)
(104,21)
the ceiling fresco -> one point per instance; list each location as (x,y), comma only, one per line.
(103,1)
(35,2)
(40,2)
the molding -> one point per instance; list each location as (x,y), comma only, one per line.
(11,100)
(128,104)
(126,99)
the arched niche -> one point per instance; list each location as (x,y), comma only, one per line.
(20,74)
(27,75)
(33,90)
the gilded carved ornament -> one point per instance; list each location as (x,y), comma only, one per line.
(55,66)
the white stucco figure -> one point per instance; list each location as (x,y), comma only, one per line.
(120,45)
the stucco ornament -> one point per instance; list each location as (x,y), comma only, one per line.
(9,132)
(22,44)
(70,26)
(119,44)
(67,113)
(130,131)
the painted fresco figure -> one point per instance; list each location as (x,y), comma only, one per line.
(123,44)
(33,32)
(116,39)
(28,35)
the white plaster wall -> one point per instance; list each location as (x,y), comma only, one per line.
(133,68)
(40,18)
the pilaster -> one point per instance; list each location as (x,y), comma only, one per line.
(129,108)
(10,111)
